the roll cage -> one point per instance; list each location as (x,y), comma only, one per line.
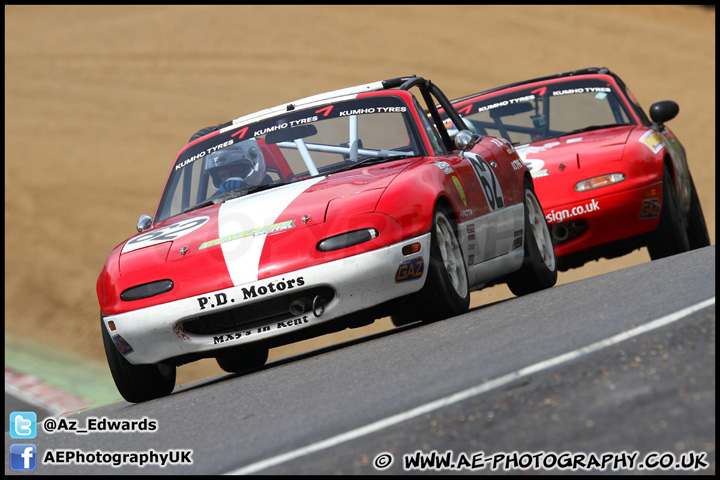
(637,109)
(288,127)
(427,89)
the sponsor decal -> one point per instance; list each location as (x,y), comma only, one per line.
(540,173)
(444,166)
(219,299)
(284,125)
(447,123)
(122,345)
(505,103)
(502,143)
(253,291)
(364,111)
(460,189)
(325,112)
(272,287)
(165,234)
(650,208)
(410,270)
(230,337)
(517,164)
(276,227)
(652,140)
(518,239)
(471,234)
(571,91)
(200,155)
(561,215)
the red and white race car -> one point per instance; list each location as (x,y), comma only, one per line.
(610,179)
(315,216)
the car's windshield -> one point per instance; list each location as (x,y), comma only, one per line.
(546,111)
(288,147)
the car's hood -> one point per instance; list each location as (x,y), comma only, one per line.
(574,152)
(227,244)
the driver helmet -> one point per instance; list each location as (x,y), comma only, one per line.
(241,162)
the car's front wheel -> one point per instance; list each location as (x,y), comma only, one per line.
(670,236)
(539,269)
(446,292)
(243,358)
(137,383)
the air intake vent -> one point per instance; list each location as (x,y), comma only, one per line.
(259,313)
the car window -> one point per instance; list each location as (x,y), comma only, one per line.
(293,145)
(547,111)
(432,133)
(577,110)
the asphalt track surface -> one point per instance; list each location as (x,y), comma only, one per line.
(615,368)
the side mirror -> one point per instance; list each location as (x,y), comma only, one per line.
(144,222)
(664,111)
(465,140)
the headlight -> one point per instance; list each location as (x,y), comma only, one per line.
(347,239)
(147,290)
(598,182)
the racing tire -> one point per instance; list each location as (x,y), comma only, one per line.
(202,132)
(697,231)
(539,268)
(446,292)
(243,359)
(670,236)
(137,383)
(407,316)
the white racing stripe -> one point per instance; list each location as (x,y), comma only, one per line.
(242,256)
(471,392)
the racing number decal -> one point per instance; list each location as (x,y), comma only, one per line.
(488,181)
(165,234)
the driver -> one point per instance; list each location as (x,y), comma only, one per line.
(237,166)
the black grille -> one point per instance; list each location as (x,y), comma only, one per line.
(258,313)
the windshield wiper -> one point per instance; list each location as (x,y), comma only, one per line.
(370,161)
(593,127)
(233,194)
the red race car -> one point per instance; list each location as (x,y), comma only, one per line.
(312,217)
(610,179)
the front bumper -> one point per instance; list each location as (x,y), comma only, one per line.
(605,218)
(158,333)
